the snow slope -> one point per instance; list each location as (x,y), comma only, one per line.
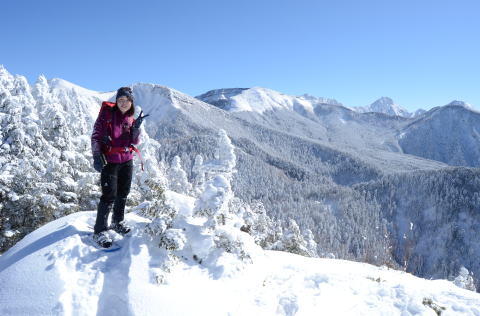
(56,271)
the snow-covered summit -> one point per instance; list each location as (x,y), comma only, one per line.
(385,105)
(320,100)
(220,97)
(461,104)
(57,271)
(252,100)
(260,100)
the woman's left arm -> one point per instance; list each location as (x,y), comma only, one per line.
(136,128)
(135,135)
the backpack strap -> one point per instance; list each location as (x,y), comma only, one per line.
(131,148)
(107,108)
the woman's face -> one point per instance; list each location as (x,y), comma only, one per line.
(124,104)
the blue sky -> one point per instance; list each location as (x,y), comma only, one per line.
(421,53)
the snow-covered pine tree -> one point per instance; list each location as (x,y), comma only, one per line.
(151,184)
(198,175)
(257,223)
(311,244)
(177,177)
(22,187)
(293,241)
(213,229)
(465,280)
(217,192)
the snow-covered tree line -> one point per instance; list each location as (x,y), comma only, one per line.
(344,224)
(434,221)
(45,157)
(44,171)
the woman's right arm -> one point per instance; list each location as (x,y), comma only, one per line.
(98,134)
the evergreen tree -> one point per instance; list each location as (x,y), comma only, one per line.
(177,177)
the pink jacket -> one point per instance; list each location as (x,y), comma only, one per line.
(113,129)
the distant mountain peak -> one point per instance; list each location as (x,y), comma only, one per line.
(316,99)
(382,102)
(385,105)
(460,103)
(220,97)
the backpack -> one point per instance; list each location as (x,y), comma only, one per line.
(108,108)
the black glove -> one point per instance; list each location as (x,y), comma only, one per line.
(98,162)
(135,133)
(139,120)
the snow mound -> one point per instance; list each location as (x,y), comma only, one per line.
(55,270)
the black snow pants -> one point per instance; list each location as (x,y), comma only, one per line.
(115,180)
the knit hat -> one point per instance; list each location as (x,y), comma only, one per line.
(125,92)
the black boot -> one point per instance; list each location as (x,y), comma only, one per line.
(120,227)
(118,224)
(103,239)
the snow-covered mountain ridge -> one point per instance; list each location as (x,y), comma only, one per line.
(260,100)
(341,174)
(339,124)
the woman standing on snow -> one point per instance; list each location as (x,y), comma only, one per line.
(114,134)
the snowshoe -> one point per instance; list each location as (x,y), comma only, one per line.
(103,239)
(121,228)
